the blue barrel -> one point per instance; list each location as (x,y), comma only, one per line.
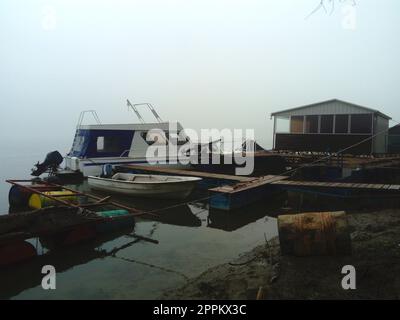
(18,197)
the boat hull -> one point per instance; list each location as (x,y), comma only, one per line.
(171,190)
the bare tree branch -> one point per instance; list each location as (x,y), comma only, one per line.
(323,4)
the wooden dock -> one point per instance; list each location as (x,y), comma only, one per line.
(239,195)
(338,185)
(242,194)
(230,192)
(258,182)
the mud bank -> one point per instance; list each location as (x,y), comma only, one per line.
(375,255)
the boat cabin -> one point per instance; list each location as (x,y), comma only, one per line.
(100,144)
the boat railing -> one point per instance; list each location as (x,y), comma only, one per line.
(149,105)
(82,116)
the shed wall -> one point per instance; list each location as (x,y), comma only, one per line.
(381,140)
(333,107)
(323,143)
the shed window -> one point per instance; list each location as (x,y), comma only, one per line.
(296,124)
(282,125)
(361,123)
(311,124)
(326,124)
(342,123)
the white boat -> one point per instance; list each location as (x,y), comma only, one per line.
(119,144)
(144,185)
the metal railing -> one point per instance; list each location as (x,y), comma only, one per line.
(82,116)
(150,106)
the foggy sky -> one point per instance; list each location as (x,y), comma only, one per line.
(208,64)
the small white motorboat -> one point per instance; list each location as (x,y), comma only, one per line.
(145,185)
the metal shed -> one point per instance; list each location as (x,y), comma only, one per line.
(330,126)
(394,139)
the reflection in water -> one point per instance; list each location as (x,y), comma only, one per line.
(145,268)
(179,216)
(17,278)
(235,219)
(119,266)
(192,239)
(174,212)
(145,204)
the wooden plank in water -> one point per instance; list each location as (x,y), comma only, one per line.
(250,185)
(363,186)
(314,184)
(224,189)
(192,173)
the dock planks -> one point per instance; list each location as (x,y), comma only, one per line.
(269,179)
(345,185)
(247,190)
(246,183)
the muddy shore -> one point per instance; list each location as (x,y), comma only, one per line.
(375,255)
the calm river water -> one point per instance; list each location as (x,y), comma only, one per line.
(191,239)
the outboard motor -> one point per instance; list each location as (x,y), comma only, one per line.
(50,163)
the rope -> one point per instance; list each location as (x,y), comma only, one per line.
(177,205)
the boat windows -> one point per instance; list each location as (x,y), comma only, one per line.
(326,124)
(342,123)
(108,144)
(100,143)
(78,143)
(361,123)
